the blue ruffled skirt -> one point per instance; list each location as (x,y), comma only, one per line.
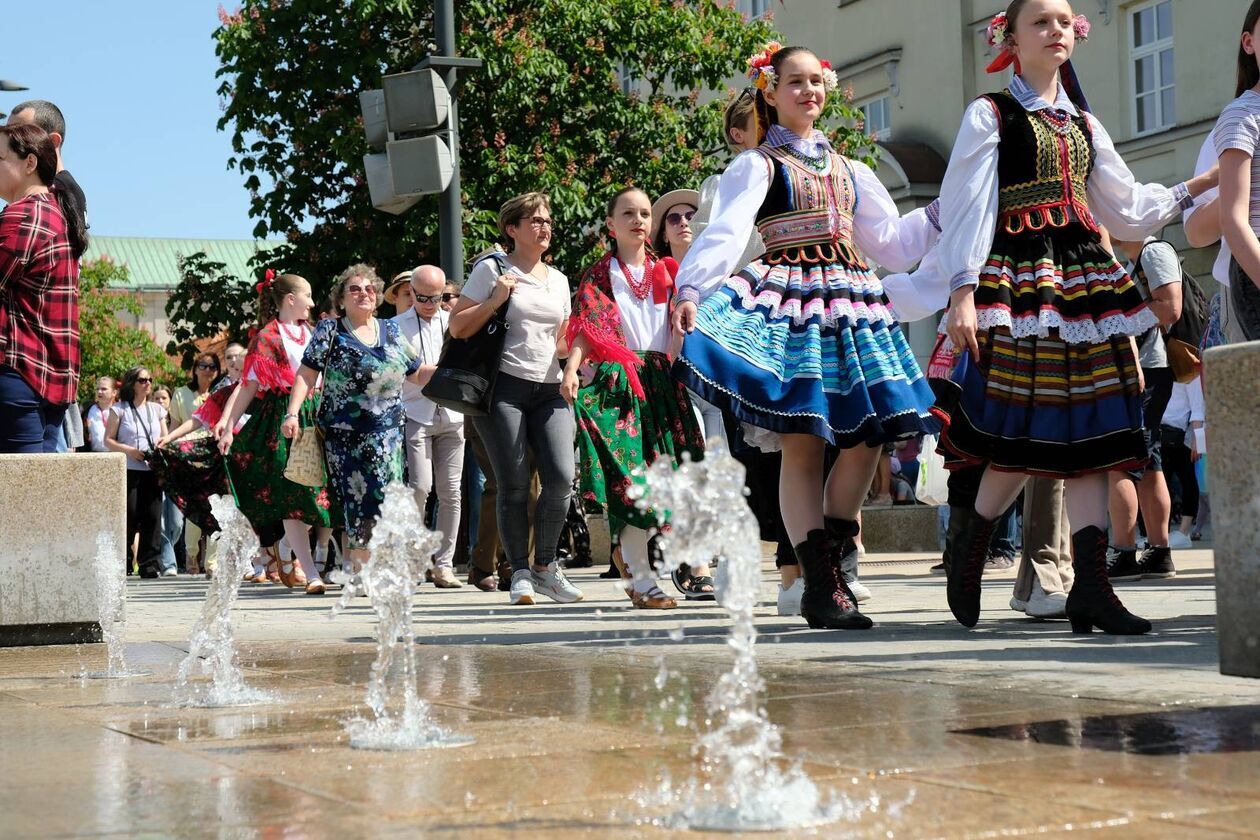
(807,347)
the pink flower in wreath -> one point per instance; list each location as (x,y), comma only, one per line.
(1080,27)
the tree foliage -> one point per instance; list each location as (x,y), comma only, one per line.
(208,302)
(107,346)
(546,112)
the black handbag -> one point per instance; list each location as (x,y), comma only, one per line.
(468,367)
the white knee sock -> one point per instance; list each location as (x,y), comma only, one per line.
(634,551)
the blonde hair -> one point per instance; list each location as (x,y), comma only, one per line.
(517,208)
(739,114)
(274,293)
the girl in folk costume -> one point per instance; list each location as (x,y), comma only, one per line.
(633,411)
(256,460)
(1041,316)
(800,345)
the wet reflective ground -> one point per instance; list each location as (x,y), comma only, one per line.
(566,736)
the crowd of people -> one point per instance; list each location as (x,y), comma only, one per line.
(1062,396)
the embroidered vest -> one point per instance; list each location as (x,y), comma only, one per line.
(1043,166)
(807,217)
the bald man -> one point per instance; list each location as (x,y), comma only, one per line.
(435,435)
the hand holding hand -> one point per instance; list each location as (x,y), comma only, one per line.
(960,326)
(684,320)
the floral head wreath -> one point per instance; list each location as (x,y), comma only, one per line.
(761,70)
(998,35)
(268,276)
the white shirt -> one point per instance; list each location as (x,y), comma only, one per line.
(425,338)
(879,230)
(96,428)
(1185,406)
(969,202)
(293,349)
(536,311)
(139,427)
(644,323)
(1206,160)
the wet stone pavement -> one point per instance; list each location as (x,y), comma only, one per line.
(928,730)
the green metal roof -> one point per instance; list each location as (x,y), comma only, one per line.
(153,263)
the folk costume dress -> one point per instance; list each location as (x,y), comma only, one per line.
(259,454)
(361,416)
(191,470)
(633,411)
(1055,391)
(802,339)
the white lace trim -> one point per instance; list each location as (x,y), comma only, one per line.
(1056,273)
(1072,332)
(830,311)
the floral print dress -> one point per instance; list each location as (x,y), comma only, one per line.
(361,416)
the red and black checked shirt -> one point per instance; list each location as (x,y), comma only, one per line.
(39,298)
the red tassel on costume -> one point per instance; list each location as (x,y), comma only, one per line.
(663,279)
(1004,59)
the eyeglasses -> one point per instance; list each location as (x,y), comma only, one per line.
(144,380)
(429,298)
(206,366)
(677,218)
(540,222)
(450,296)
(746,93)
(370,291)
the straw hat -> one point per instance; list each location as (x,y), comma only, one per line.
(391,291)
(662,205)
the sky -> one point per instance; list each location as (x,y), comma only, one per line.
(136,83)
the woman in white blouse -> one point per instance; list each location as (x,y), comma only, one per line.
(1041,316)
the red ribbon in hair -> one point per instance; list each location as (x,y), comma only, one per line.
(265,283)
(1004,59)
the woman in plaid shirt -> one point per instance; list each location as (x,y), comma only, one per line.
(40,245)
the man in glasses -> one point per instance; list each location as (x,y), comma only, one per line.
(435,435)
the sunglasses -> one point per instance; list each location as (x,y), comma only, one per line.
(450,296)
(677,218)
(206,366)
(429,298)
(361,290)
(144,380)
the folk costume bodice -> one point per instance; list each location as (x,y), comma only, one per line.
(807,215)
(1045,158)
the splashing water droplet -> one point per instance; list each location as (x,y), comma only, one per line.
(744,782)
(401,552)
(212,634)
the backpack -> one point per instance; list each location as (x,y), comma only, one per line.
(1184,336)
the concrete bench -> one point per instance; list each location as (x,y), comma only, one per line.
(52,507)
(1233,408)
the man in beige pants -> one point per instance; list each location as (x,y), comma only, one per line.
(1045,569)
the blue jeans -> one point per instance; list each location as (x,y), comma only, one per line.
(172,532)
(529,416)
(28,423)
(474,483)
(1005,532)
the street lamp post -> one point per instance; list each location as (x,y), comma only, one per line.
(9,87)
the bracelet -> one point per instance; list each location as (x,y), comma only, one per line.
(287,416)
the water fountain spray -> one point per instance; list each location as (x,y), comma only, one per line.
(401,552)
(745,781)
(111,589)
(212,634)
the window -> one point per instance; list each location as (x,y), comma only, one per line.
(877,118)
(627,78)
(754,8)
(1151,39)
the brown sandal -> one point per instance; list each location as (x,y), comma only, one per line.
(653,599)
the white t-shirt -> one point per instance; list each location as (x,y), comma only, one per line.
(1207,159)
(293,348)
(644,323)
(536,310)
(139,427)
(1239,128)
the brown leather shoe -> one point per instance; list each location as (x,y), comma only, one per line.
(485,581)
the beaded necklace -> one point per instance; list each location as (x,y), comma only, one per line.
(643,285)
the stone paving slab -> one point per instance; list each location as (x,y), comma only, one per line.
(576,710)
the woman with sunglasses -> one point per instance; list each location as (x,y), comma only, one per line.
(135,425)
(364,361)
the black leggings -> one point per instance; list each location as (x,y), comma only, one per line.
(1177,463)
(144,517)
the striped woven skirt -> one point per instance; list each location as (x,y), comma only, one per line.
(804,343)
(1055,391)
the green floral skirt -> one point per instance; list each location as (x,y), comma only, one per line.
(256,469)
(617,433)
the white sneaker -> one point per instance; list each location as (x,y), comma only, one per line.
(1018,605)
(849,570)
(790,598)
(1176,539)
(1041,604)
(522,591)
(171,572)
(554,585)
